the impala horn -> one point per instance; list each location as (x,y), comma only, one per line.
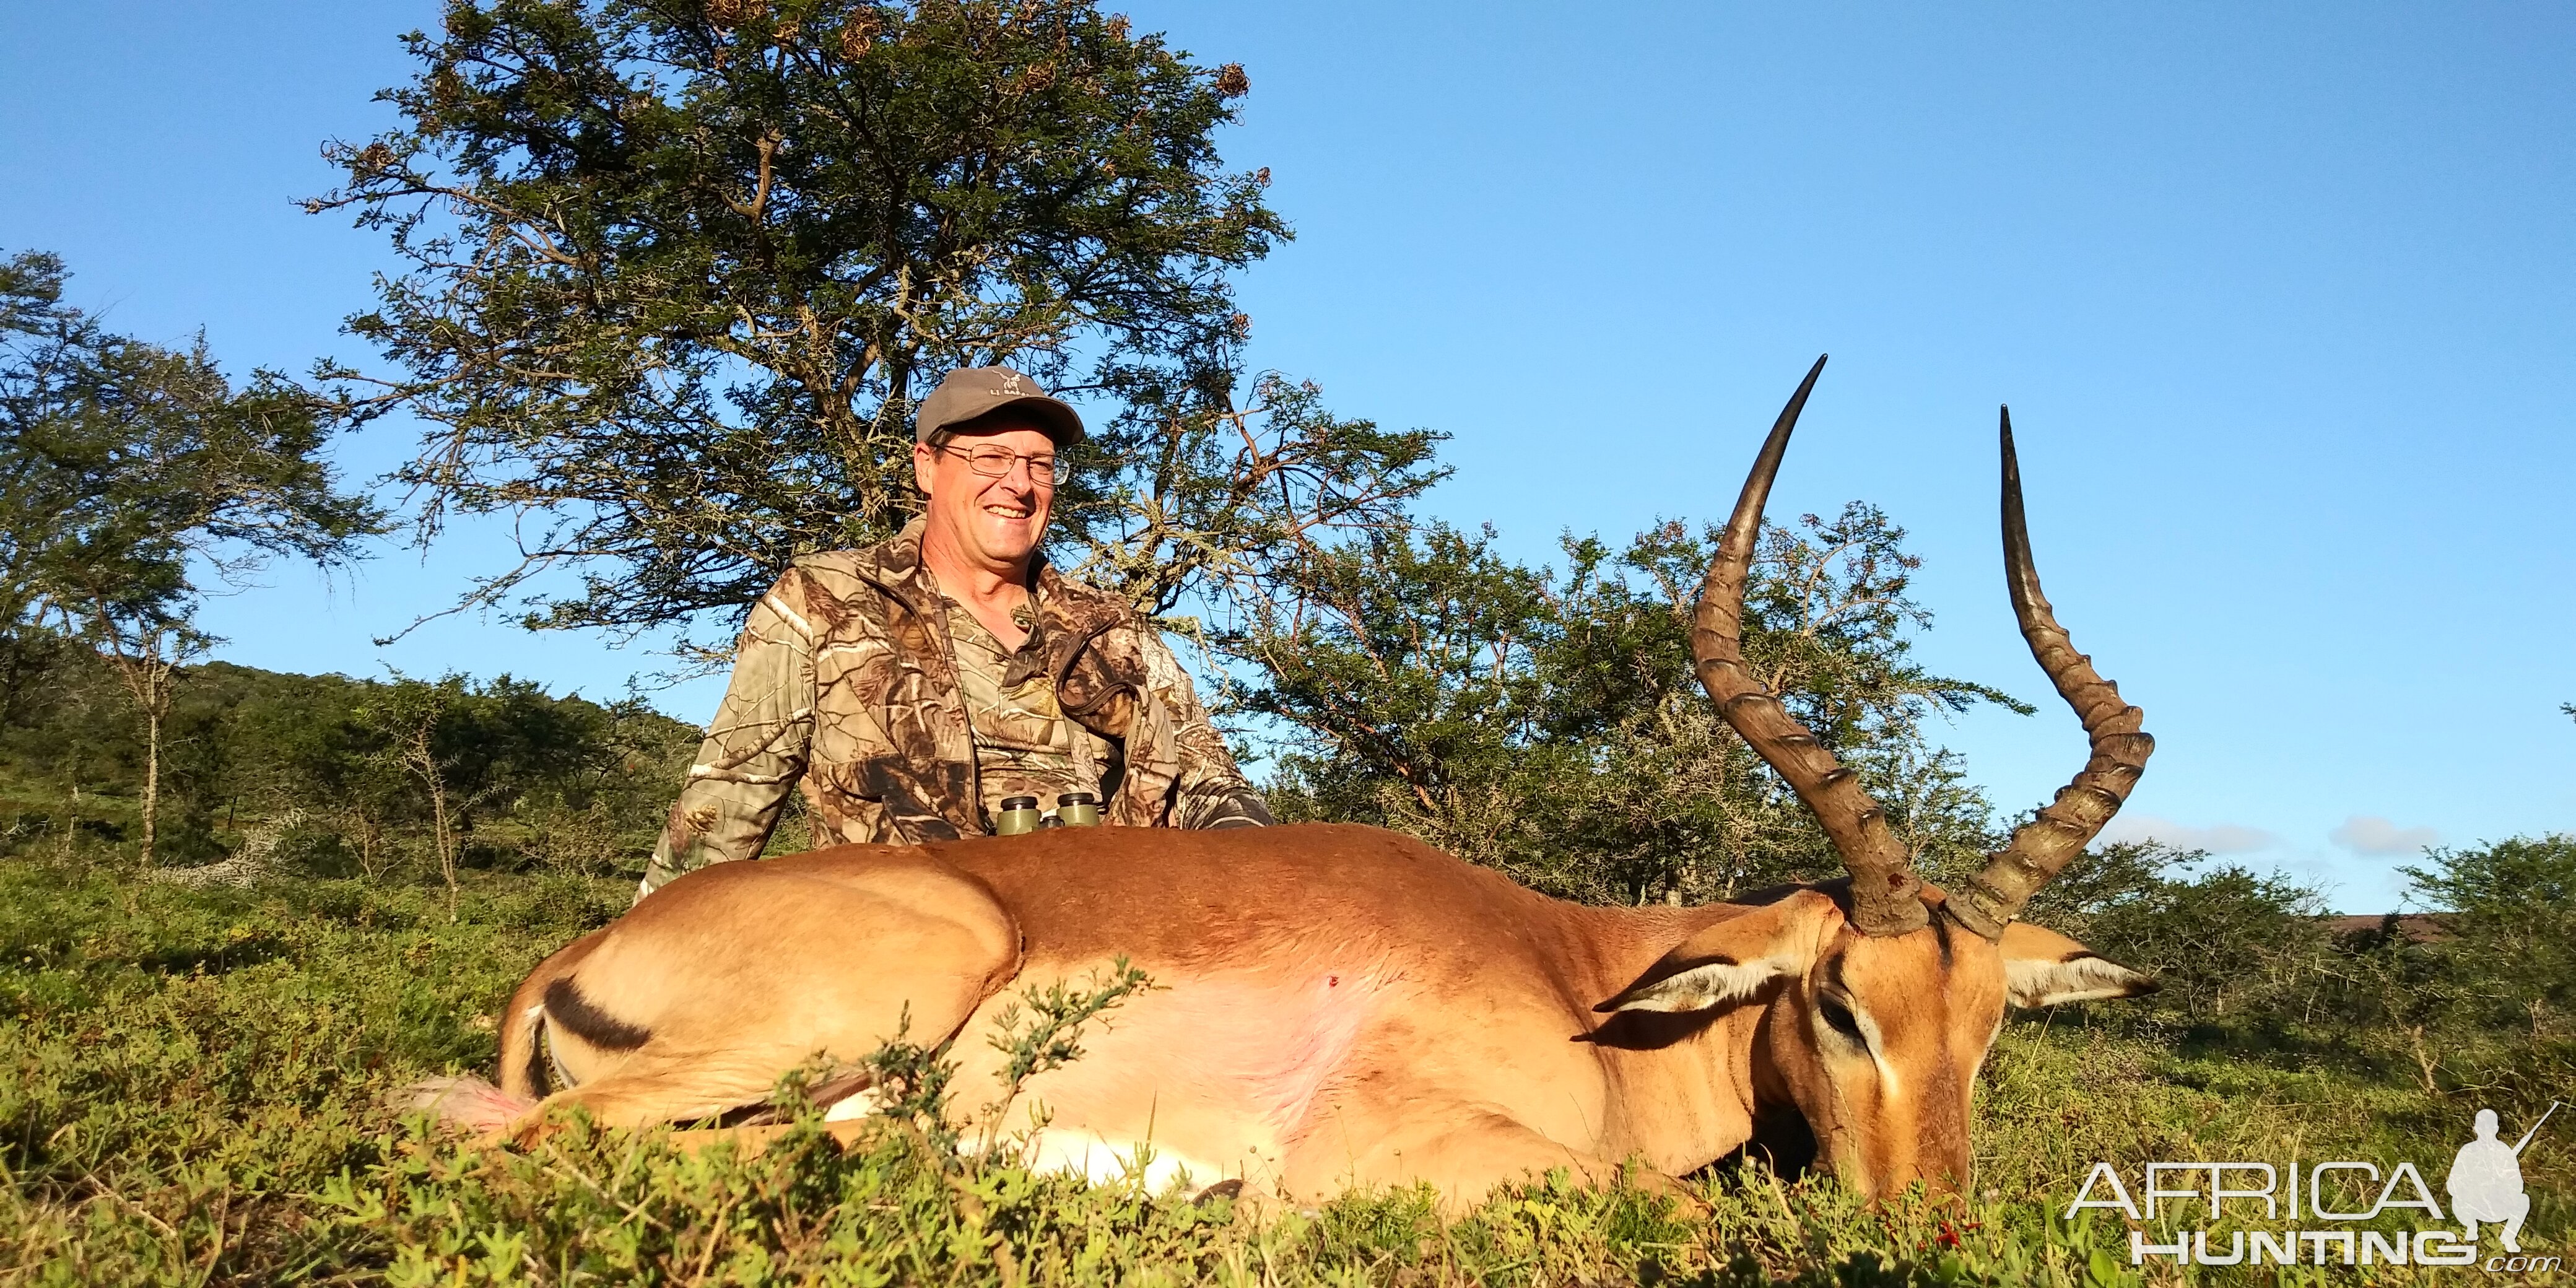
(1886,897)
(2042,847)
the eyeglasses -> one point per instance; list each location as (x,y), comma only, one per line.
(996,462)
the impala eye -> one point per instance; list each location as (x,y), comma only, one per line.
(1838,1017)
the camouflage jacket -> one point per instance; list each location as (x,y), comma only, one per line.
(845,681)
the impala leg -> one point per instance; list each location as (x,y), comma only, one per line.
(747,1142)
(671,1086)
(752,1142)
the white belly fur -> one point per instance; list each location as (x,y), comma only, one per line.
(1096,1159)
(1101,1161)
(1218,1077)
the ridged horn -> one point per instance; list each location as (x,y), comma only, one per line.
(2042,847)
(1886,897)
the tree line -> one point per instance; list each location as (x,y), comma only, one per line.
(383,780)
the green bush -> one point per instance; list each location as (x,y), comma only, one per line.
(2231,948)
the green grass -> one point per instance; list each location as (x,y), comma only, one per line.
(190,1082)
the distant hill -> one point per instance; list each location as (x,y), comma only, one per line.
(2413,927)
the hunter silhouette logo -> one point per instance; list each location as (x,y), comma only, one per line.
(2486,1181)
(2314,1198)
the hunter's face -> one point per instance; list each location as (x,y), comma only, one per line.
(994,521)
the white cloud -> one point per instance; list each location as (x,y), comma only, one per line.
(2371,834)
(2218,838)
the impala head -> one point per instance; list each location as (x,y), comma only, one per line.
(1885,992)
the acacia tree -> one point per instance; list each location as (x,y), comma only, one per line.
(413,719)
(677,271)
(127,470)
(471,748)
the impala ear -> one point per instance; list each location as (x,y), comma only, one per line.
(1731,961)
(2045,968)
(1701,987)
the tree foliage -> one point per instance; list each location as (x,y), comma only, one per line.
(125,460)
(2471,996)
(1549,722)
(2509,942)
(676,275)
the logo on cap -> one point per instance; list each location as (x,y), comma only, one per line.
(1010,385)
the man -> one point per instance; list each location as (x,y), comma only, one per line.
(913,686)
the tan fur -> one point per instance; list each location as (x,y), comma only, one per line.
(1333,1007)
(741,972)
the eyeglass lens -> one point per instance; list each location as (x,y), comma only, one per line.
(994,462)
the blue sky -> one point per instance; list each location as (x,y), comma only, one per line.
(2279,295)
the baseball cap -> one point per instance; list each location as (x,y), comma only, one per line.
(969,392)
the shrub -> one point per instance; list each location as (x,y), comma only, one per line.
(2230,946)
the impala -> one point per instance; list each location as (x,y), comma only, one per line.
(1340,1006)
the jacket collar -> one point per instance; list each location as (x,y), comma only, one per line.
(894,566)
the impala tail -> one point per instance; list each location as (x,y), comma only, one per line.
(469,1105)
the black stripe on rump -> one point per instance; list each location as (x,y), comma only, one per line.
(566,1006)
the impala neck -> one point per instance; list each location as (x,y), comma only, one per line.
(1683,1085)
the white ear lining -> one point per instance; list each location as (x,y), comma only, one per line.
(1703,987)
(2083,977)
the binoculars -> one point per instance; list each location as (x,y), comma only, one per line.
(1020,814)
